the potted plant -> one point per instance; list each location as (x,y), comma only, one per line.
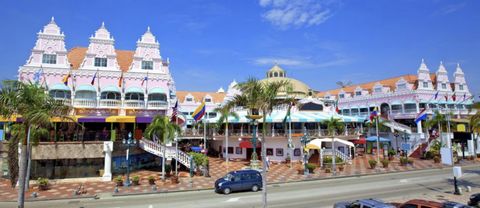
(288,159)
(300,169)
(328,170)
(136,180)
(385,163)
(168,168)
(341,167)
(372,163)
(403,161)
(436,159)
(151,180)
(410,161)
(311,167)
(119,180)
(42,184)
(391,154)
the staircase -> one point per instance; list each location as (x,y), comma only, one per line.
(397,126)
(339,154)
(170,152)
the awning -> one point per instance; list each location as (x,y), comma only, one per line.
(374,139)
(317,143)
(248,144)
(134,90)
(110,88)
(11,119)
(69,119)
(86,88)
(359,141)
(120,119)
(59,87)
(92,120)
(143,119)
(156,90)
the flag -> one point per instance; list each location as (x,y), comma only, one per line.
(120,80)
(36,76)
(175,109)
(421,116)
(336,106)
(436,96)
(446,97)
(144,79)
(199,112)
(374,114)
(93,80)
(464,96)
(65,79)
(454,97)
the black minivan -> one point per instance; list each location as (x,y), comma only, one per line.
(240,180)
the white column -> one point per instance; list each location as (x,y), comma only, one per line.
(107,168)
(470,146)
(241,129)
(419,124)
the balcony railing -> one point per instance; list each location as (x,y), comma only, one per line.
(157,104)
(64,101)
(134,103)
(397,111)
(107,103)
(85,103)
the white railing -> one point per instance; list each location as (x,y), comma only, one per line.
(64,101)
(157,104)
(78,102)
(398,126)
(339,154)
(134,103)
(110,103)
(170,152)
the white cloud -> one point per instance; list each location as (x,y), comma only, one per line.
(451,8)
(281,61)
(303,63)
(297,13)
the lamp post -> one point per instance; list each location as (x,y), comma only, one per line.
(253,115)
(304,140)
(396,135)
(127,144)
(176,153)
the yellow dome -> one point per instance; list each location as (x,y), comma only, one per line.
(296,88)
(276,71)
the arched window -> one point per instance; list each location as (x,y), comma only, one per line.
(85,94)
(110,95)
(275,74)
(157,97)
(63,94)
(134,96)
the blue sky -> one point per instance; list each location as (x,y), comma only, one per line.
(210,43)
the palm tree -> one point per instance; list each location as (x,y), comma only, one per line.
(165,131)
(261,96)
(438,120)
(37,109)
(225,112)
(333,126)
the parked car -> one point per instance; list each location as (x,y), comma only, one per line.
(420,203)
(241,180)
(450,204)
(363,203)
(474,200)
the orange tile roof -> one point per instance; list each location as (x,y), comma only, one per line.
(217,97)
(390,82)
(76,55)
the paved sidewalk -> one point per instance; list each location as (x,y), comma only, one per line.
(278,173)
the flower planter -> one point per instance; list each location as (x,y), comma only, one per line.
(151,181)
(300,171)
(119,183)
(42,187)
(174,179)
(341,168)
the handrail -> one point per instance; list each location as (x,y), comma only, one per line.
(170,152)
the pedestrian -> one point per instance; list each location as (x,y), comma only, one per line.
(267,161)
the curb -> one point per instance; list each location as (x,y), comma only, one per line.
(54,199)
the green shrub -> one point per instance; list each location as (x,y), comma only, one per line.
(429,155)
(199,158)
(310,166)
(119,179)
(403,160)
(385,163)
(42,181)
(373,163)
(329,160)
(136,178)
(151,178)
(391,152)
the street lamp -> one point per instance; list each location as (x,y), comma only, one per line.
(304,140)
(396,135)
(253,115)
(127,144)
(176,153)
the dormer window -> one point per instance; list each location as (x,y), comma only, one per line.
(49,59)
(358,93)
(425,84)
(208,100)
(378,90)
(460,87)
(341,96)
(148,65)
(100,62)
(402,86)
(444,86)
(189,99)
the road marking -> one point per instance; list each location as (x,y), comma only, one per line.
(403,181)
(150,206)
(233,199)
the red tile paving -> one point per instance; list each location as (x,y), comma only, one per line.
(278,173)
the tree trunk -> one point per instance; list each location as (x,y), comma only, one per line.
(29,165)
(163,163)
(226,145)
(21,178)
(264,167)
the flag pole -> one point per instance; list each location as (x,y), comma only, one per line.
(378,143)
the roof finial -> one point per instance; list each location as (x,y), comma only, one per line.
(103,25)
(441,62)
(52,20)
(423,61)
(458,64)
(148,28)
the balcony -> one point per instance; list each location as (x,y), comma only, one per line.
(85,103)
(110,103)
(157,104)
(64,101)
(134,104)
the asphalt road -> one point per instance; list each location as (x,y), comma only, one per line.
(320,193)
